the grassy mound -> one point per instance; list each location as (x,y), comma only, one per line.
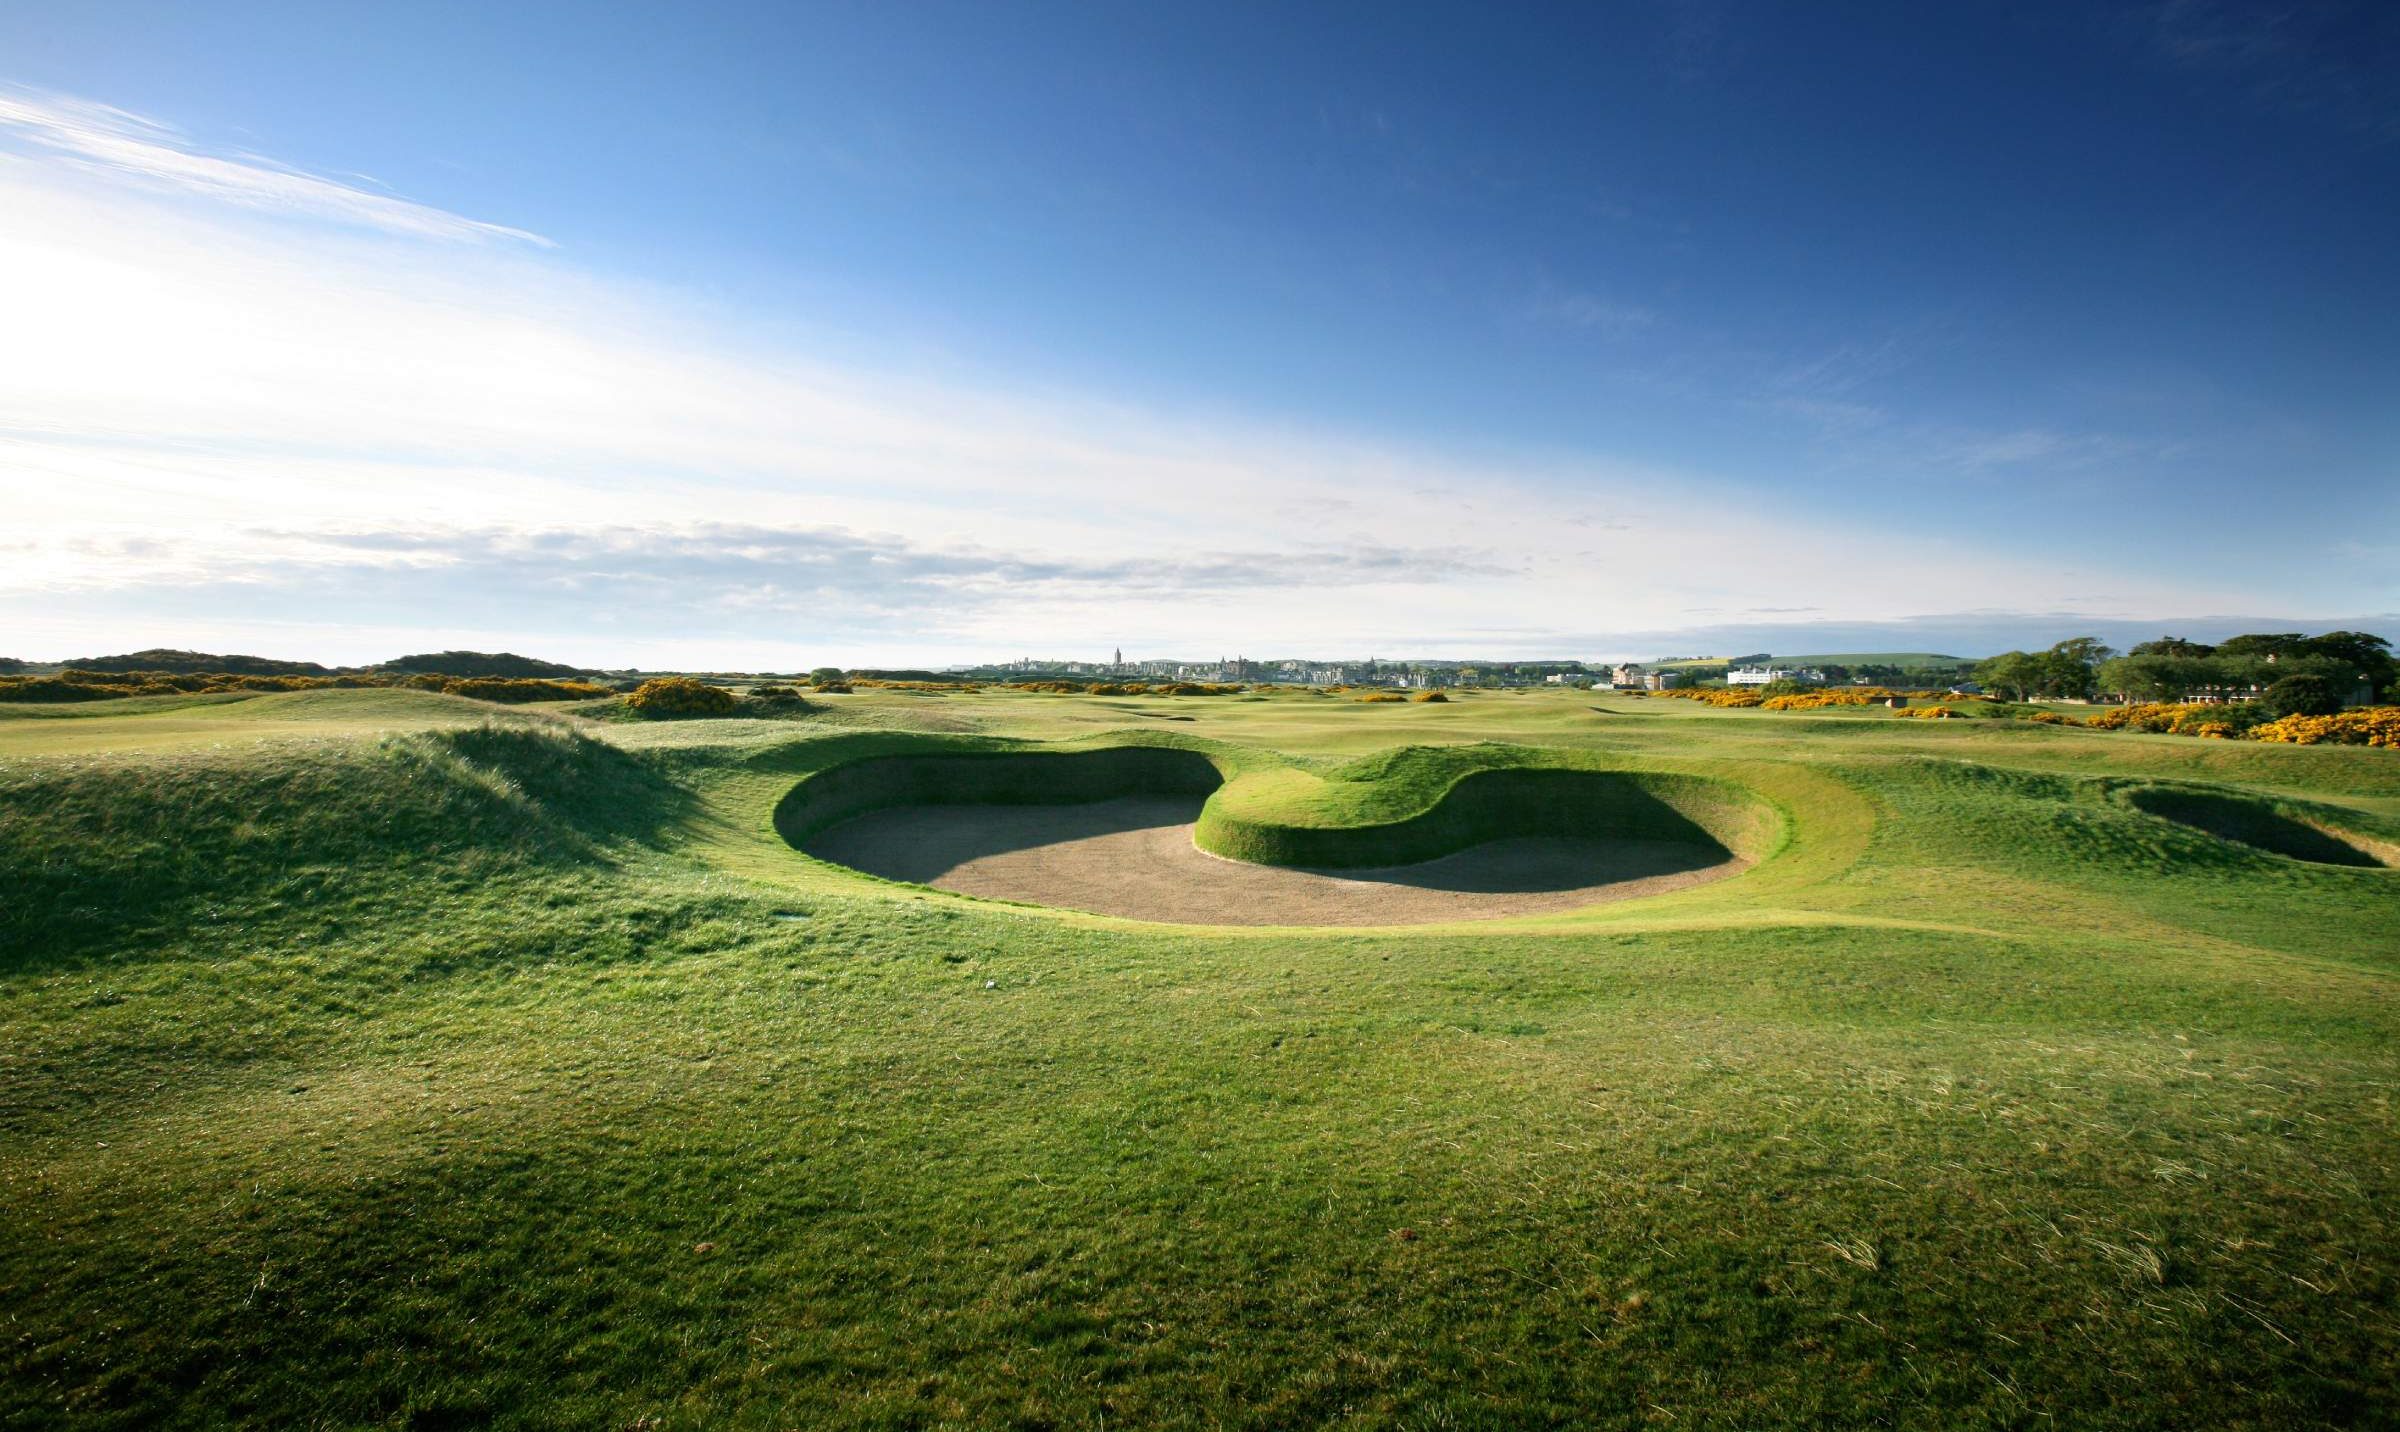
(1413,803)
(97,853)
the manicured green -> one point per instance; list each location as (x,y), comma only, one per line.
(382,1059)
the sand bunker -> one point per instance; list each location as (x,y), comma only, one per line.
(1134,857)
(2259,825)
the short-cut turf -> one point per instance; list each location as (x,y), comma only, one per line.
(380,1059)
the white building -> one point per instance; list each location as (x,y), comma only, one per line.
(1762,675)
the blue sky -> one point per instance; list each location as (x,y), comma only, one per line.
(755,333)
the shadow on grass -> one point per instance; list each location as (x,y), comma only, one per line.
(2256,824)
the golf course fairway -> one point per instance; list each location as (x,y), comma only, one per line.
(386,1058)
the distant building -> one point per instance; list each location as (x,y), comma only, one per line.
(1629,676)
(2222,695)
(1769,675)
(1662,680)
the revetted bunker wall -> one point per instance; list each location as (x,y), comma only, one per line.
(1520,801)
(832,796)
(2275,827)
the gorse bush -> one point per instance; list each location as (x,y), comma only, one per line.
(2179,718)
(1430,696)
(2139,716)
(2251,720)
(673,696)
(1743,698)
(1820,700)
(516,690)
(1727,697)
(52,690)
(2373,726)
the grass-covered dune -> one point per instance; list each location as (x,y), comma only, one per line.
(1498,803)
(375,1059)
(101,849)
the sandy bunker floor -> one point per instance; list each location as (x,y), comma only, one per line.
(1134,857)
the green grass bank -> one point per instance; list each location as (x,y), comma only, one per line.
(376,1059)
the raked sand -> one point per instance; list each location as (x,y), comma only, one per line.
(1134,857)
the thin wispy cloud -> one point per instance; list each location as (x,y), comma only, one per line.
(891,565)
(130,147)
(214,424)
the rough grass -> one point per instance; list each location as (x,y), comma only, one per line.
(95,850)
(527,1078)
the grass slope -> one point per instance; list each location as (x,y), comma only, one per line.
(367,1067)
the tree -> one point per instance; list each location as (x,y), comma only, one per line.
(2151,676)
(2069,666)
(2064,676)
(2014,674)
(825,676)
(2172,646)
(2306,694)
(2370,655)
(2264,644)
(2064,670)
